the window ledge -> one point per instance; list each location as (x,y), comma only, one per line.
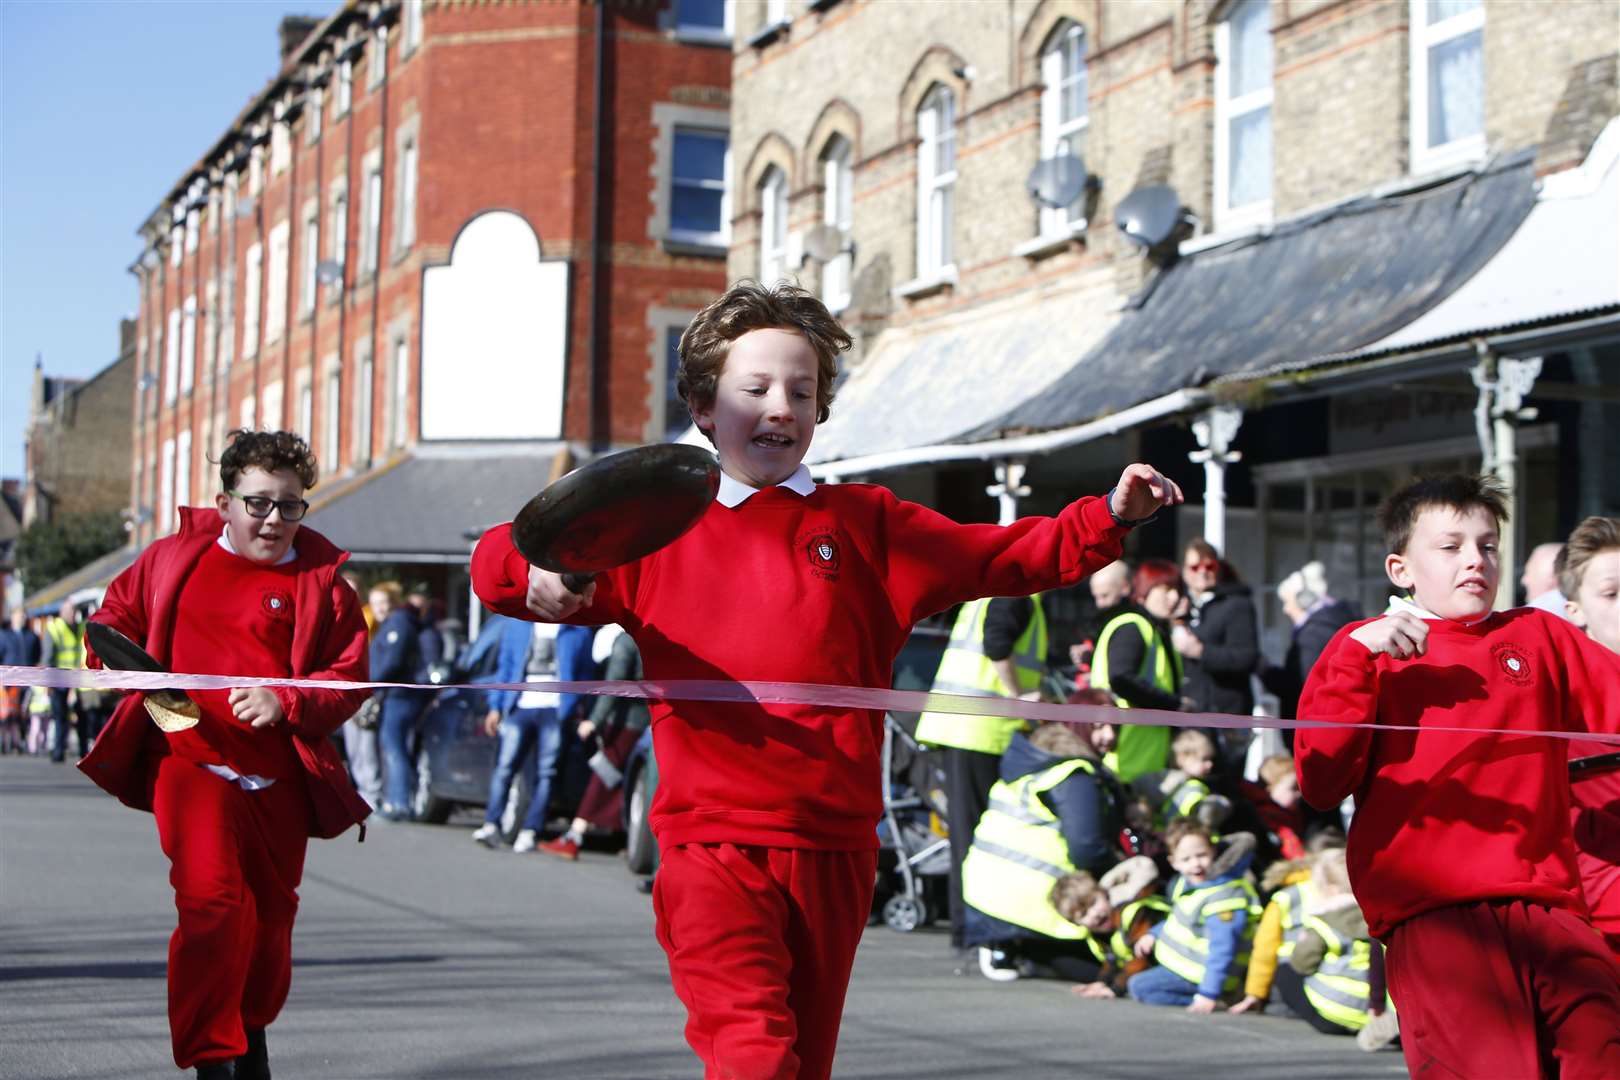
(1040,247)
(1446,162)
(1226,235)
(706,249)
(691,35)
(769,33)
(401,255)
(917,288)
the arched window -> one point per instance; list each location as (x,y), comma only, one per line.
(1064,113)
(772,226)
(838,210)
(936,181)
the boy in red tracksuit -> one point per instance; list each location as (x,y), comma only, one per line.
(1460,850)
(766,815)
(240,589)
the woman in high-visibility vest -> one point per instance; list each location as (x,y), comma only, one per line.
(1135,662)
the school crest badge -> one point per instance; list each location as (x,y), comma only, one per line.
(824,551)
(1514,662)
(276,603)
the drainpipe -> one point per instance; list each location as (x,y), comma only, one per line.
(596,431)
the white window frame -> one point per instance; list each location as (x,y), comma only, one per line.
(1227,110)
(364,390)
(246,413)
(271,403)
(310,252)
(411,27)
(776,13)
(371,218)
(703,33)
(250,301)
(193,220)
(936,131)
(721,237)
(400,373)
(177,242)
(340,236)
(280,147)
(838,210)
(343,99)
(188,343)
(227,321)
(306,408)
(405,197)
(171,358)
(182,468)
(1055,128)
(275,308)
(165,515)
(210,330)
(773,221)
(1423,38)
(316,113)
(332,414)
(377,69)
(255,171)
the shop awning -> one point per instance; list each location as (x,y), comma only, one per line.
(420,508)
(85,583)
(1322,284)
(922,387)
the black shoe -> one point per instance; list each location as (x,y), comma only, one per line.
(218,1071)
(255,1064)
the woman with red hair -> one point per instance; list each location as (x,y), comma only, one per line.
(1136,663)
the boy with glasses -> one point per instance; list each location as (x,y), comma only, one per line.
(237,796)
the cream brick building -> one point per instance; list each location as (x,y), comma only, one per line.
(969,301)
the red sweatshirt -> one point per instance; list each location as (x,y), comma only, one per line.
(1446,818)
(821,588)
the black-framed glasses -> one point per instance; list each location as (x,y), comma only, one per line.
(259,506)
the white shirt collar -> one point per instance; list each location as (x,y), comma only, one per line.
(733,493)
(1398,604)
(225,542)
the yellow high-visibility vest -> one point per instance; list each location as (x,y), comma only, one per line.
(67,644)
(1019,851)
(1182,947)
(1140,749)
(964,669)
(1118,946)
(1341,987)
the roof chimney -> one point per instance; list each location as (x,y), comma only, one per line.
(294,29)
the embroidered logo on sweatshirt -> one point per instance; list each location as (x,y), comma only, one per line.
(276,604)
(821,547)
(1513,662)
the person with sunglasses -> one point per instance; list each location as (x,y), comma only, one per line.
(1220,643)
(241,589)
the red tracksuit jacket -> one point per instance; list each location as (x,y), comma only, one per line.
(1448,818)
(821,588)
(329,642)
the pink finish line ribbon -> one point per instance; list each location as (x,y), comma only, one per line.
(758,693)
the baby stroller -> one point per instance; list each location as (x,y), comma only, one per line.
(915,860)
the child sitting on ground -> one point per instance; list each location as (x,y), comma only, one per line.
(1327,980)
(1460,850)
(1276,802)
(1202,949)
(1115,911)
(1184,790)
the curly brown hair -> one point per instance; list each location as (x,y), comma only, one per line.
(271,451)
(748,306)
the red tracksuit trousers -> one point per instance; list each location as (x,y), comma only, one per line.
(1505,990)
(236,858)
(761,941)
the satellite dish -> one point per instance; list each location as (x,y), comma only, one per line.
(1058,181)
(1150,216)
(328,272)
(824,243)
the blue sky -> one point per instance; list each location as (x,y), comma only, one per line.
(102,107)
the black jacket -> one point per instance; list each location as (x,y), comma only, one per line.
(1310,638)
(1226,624)
(1126,649)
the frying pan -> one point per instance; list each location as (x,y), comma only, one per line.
(615,510)
(170,710)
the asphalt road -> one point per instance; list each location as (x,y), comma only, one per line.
(421,955)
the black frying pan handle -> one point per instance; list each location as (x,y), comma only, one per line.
(576,583)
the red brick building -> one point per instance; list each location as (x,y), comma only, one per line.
(445,242)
